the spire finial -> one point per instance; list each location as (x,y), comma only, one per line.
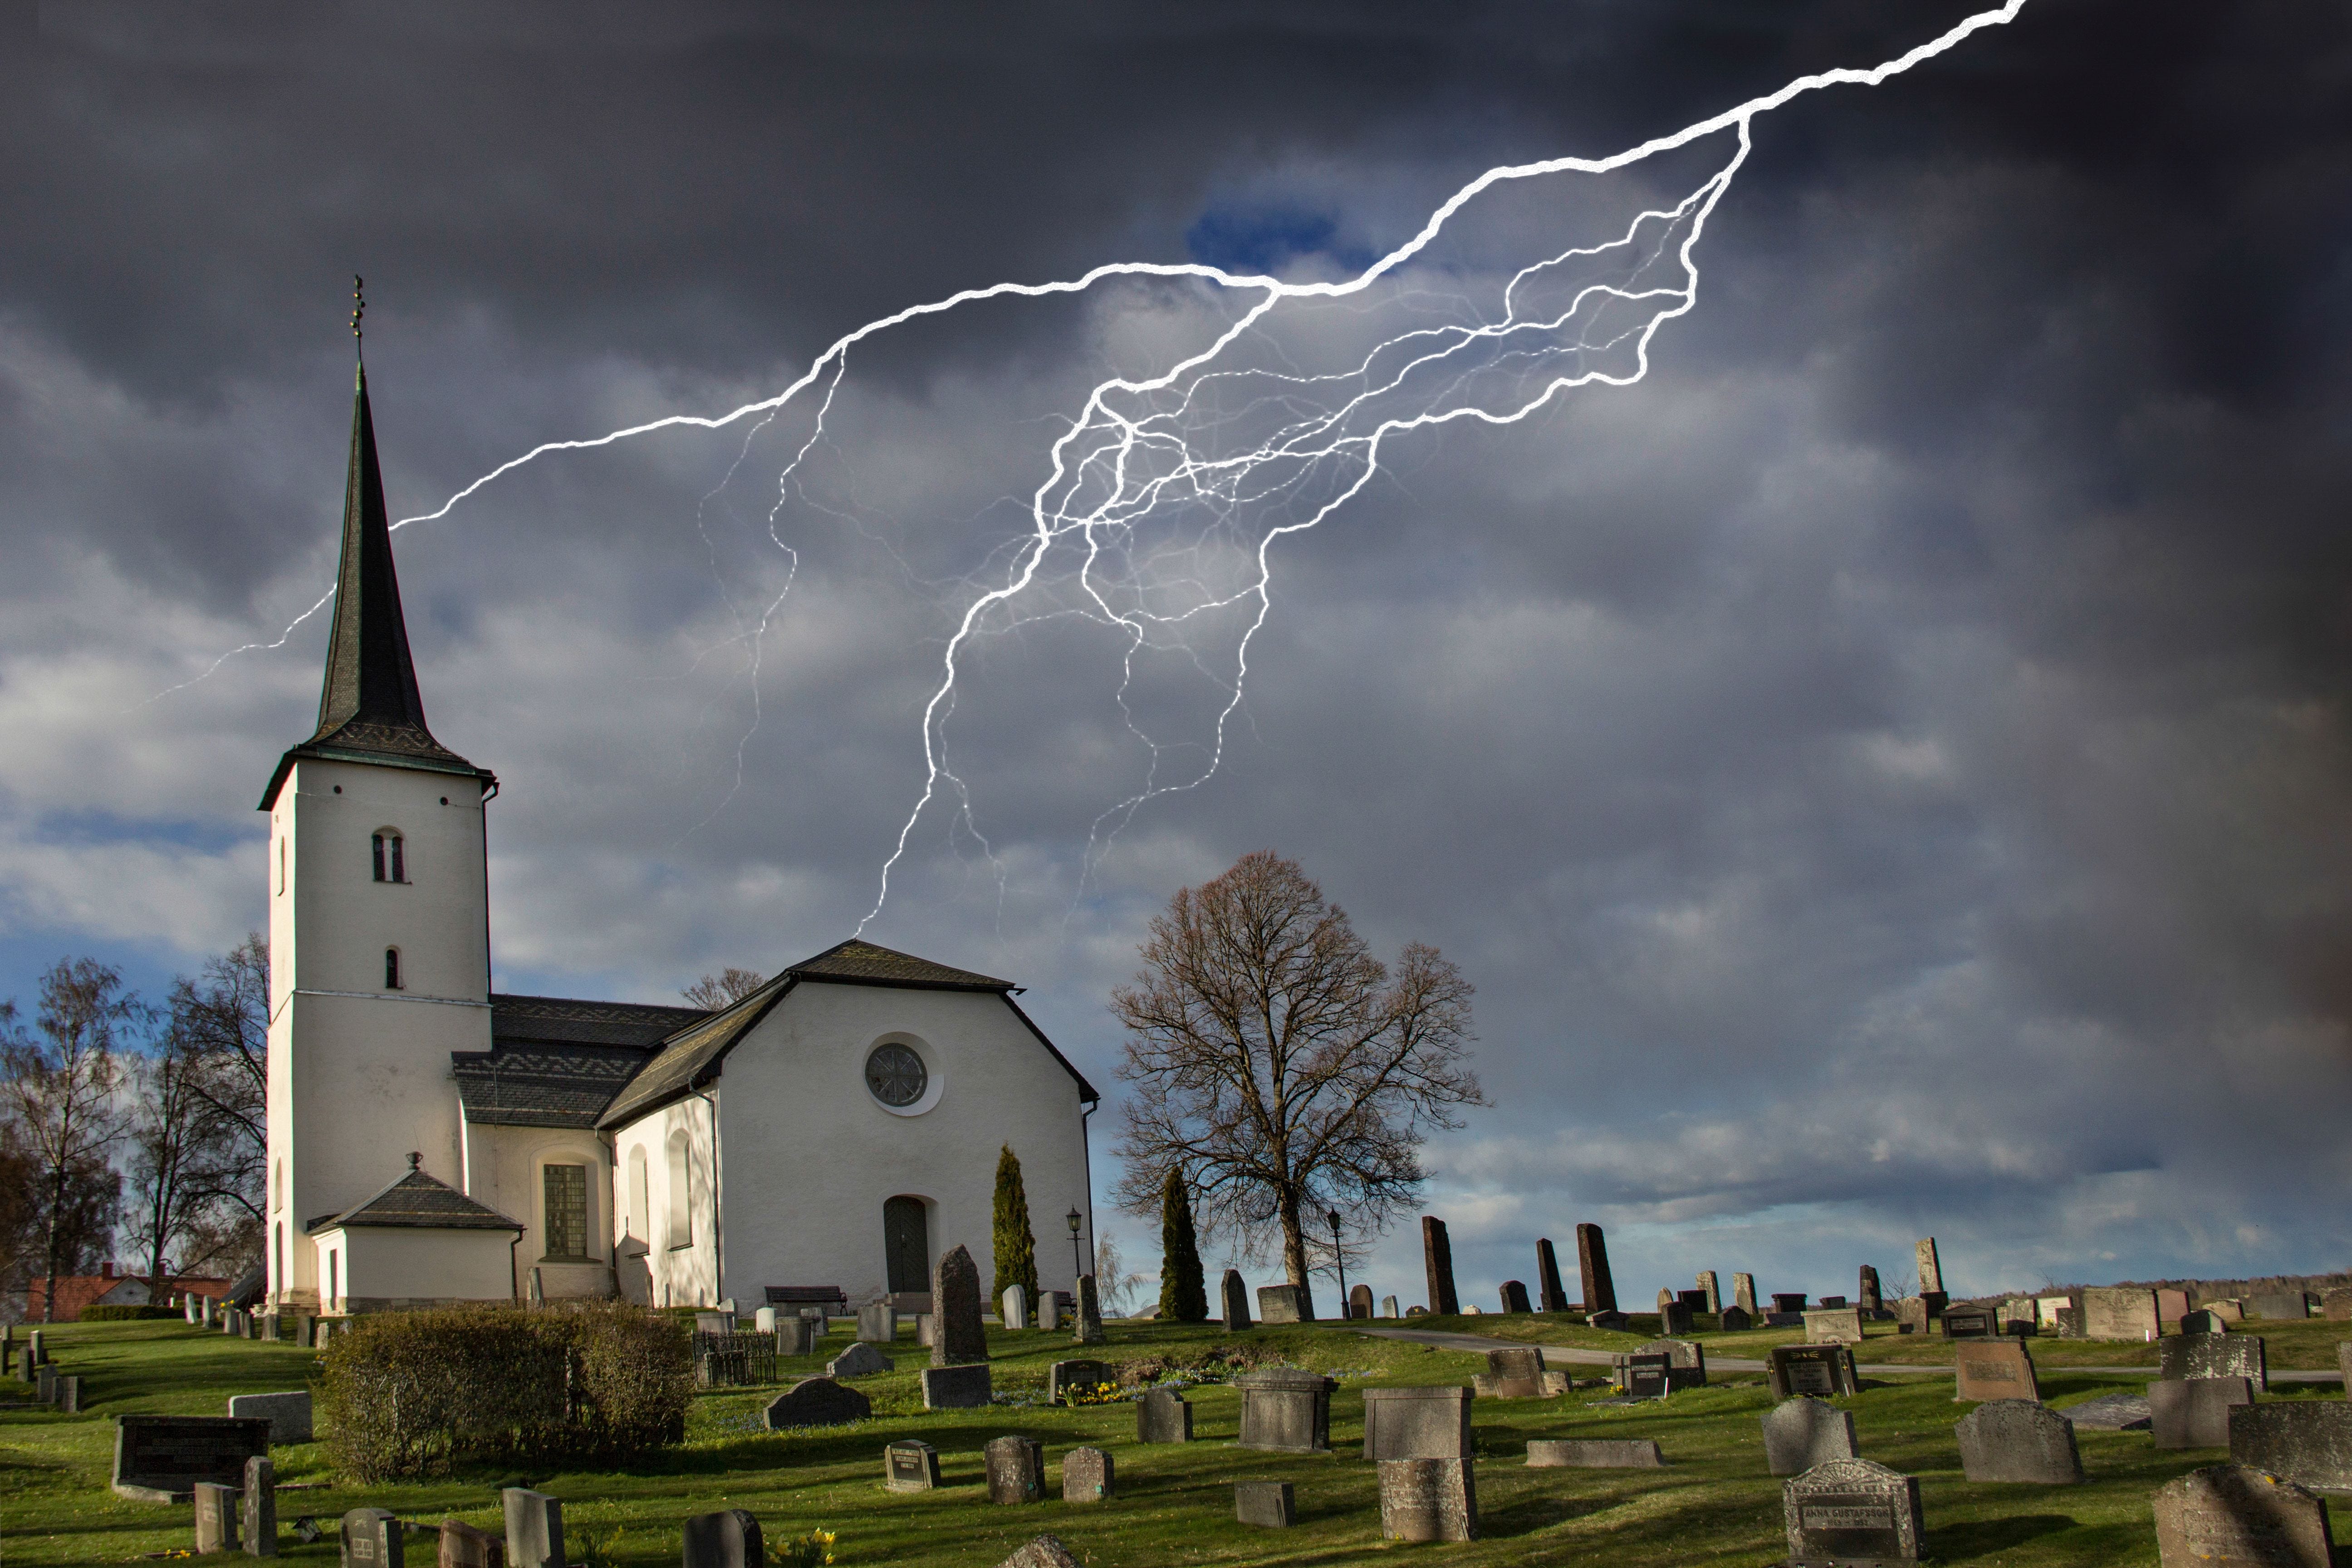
(359,305)
(415,1159)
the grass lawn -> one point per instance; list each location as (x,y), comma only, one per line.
(2308,1344)
(1713,1505)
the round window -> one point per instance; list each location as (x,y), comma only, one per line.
(896,1074)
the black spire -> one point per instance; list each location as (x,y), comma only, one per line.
(368,709)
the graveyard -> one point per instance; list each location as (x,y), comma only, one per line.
(1708,1497)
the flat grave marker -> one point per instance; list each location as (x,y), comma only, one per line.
(1594,1454)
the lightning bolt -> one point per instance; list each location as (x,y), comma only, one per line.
(1165,496)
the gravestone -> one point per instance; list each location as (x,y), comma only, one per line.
(373,1538)
(1743,1293)
(1162,1416)
(1801,1433)
(2171,1305)
(1595,1454)
(1387,1305)
(1737,1318)
(2194,1411)
(534,1528)
(1931,1267)
(1593,1263)
(1087,1476)
(1087,1374)
(910,1465)
(1428,1500)
(798,1336)
(1360,1302)
(1788,1301)
(2306,1441)
(716,1323)
(1642,1376)
(256,1513)
(877,1321)
(1833,1326)
(216,1517)
(1710,1290)
(2203,1321)
(2336,1305)
(1233,1294)
(958,1336)
(958,1387)
(1514,1371)
(2214,1355)
(159,1458)
(1437,1263)
(2110,1413)
(1012,1307)
(727,1539)
(2019,1440)
(1286,1410)
(67,1394)
(817,1402)
(1685,1360)
(1692,1302)
(2066,1322)
(2278,1304)
(1823,1370)
(1549,1295)
(1042,1551)
(1266,1504)
(1515,1296)
(2227,1516)
(1673,1318)
(1969,1322)
(2117,1312)
(1284,1304)
(1993,1369)
(2344,1364)
(45,1384)
(1016,1469)
(1867,1294)
(1091,1329)
(763,1320)
(1417,1422)
(2228,1309)
(860,1360)
(289,1413)
(1852,1511)
(463,1546)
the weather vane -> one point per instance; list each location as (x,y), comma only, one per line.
(359,304)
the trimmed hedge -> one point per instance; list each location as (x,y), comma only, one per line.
(412,1394)
(114,1313)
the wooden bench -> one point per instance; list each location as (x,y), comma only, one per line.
(832,1297)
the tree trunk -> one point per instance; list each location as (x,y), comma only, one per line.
(56,1213)
(1293,1244)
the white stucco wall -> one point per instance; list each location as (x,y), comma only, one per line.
(504,1168)
(359,1073)
(385,1268)
(662,1261)
(806,1156)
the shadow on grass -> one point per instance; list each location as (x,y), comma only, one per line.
(1974,1538)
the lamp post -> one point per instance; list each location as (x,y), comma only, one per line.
(1078,1266)
(1338,1258)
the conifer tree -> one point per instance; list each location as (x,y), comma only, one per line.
(1184,1293)
(1016,1248)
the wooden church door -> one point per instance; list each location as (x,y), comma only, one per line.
(906,1244)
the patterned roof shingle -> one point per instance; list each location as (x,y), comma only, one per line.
(418,1201)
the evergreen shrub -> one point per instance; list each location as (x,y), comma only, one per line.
(416,1392)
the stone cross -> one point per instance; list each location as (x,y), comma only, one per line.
(1592,1261)
(959,1337)
(534,1529)
(728,1539)
(1016,1469)
(1437,1262)
(1232,1294)
(1548,1294)
(1086,1476)
(257,1508)
(1090,1327)
(2019,1440)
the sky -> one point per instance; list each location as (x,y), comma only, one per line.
(1877,745)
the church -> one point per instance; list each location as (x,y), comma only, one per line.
(432,1140)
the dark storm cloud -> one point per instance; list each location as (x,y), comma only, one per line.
(1884,772)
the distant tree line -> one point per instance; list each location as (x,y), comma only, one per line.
(131,1126)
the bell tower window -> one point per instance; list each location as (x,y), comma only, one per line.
(392,969)
(390,856)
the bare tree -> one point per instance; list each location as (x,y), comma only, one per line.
(221,1022)
(1279,1065)
(169,1187)
(723,989)
(61,1087)
(1115,1283)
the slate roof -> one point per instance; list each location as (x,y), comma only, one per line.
(369,707)
(560,1019)
(558,1062)
(691,1058)
(417,1201)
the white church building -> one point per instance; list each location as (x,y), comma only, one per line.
(433,1141)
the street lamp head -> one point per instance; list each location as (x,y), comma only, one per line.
(1076,1219)
(1334,1218)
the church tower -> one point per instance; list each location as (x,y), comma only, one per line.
(379,916)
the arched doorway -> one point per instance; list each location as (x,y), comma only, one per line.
(907,1245)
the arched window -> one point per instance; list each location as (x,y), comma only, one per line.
(392,969)
(278,1184)
(334,1285)
(681,1206)
(390,856)
(565,1193)
(281,865)
(641,1207)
